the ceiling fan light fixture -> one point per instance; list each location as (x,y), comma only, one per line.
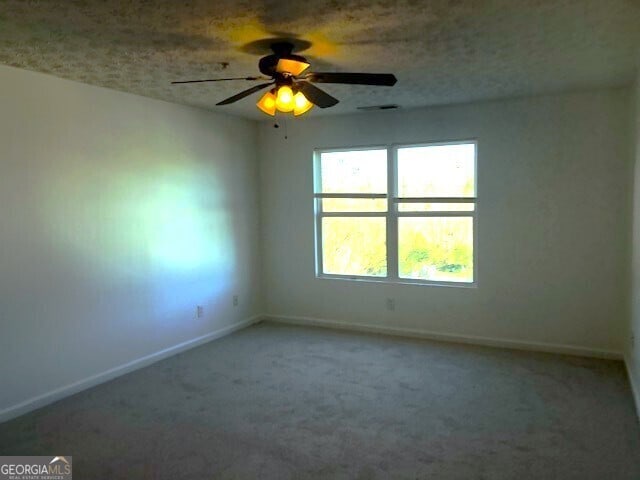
(288,90)
(284,99)
(268,103)
(301,104)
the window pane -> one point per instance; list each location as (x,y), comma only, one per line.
(361,171)
(354,205)
(436,248)
(354,246)
(436,207)
(437,171)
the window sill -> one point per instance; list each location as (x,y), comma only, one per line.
(400,281)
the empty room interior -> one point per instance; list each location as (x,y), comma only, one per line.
(320,240)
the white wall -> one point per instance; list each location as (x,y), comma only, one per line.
(553,186)
(118,215)
(633,353)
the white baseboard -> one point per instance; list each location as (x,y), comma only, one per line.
(75,387)
(635,388)
(449,337)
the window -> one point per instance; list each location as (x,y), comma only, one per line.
(399,214)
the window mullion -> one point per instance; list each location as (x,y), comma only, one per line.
(392,215)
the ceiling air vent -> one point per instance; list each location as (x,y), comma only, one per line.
(391,106)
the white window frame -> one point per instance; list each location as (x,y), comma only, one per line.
(392,214)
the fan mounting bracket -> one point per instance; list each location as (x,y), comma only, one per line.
(282,49)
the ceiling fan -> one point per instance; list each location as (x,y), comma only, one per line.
(293,90)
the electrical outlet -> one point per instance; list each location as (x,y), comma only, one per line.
(391,304)
(235,300)
(199,311)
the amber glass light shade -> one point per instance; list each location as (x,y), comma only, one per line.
(294,67)
(301,104)
(267,103)
(284,99)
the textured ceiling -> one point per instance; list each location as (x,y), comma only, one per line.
(442,51)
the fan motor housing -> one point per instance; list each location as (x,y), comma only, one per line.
(268,64)
(284,49)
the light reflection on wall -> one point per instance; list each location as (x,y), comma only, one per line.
(186,228)
(162,227)
(120,214)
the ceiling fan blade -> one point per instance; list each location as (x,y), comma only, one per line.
(220,80)
(383,79)
(292,66)
(244,93)
(316,96)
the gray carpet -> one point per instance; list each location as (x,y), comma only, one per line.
(280,402)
